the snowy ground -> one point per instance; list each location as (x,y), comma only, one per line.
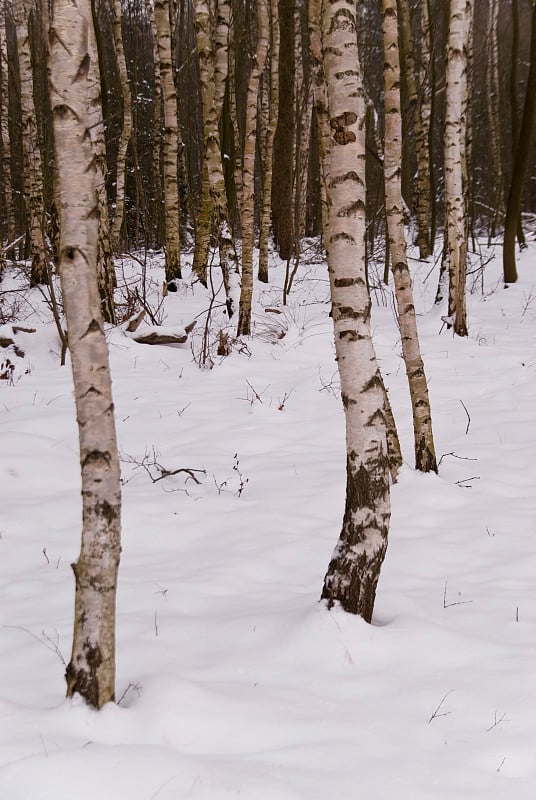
(233,680)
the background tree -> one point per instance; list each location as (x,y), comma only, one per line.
(425,457)
(526,133)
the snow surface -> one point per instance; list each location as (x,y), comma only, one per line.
(233,679)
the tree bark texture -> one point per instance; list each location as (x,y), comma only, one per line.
(455,156)
(268,154)
(91,670)
(126,130)
(171,140)
(425,458)
(33,170)
(4,127)
(526,131)
(248,169)
(354,569)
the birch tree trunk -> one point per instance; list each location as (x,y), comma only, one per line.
(419,109)
(212,24)
(171,141)
(4,127)
(156,124)
(91,670)
(33,170)
(248,170)
(425,458)
(273,108)
(353,573)
(455,157)
(126,131)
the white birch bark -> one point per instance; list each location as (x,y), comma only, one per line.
(419,101)
(91,670)
(212,25)
(455,156)
(33,171)
(425,458)
(171,140)
(248,170)
(273,109)
(353,573)
(126,130)
(4,126)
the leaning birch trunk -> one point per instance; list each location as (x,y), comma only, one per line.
(248,171)
(425,458)
(456,237)
(171,141)
(33,172)
(353,573)
(273,108)
(4,126)
(91,670)
(126,131)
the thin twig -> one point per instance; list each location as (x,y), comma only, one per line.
(444,713)
(468,417)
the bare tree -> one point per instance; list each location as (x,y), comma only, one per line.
(91,670)
(248,169)
(513,209)
(425,458)
(126,130)
(455,160)
(33,169)
(354,569)
(171,140)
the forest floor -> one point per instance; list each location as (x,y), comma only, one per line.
(233,680)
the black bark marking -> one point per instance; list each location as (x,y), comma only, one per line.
(348,176)
(95,456)
(343,282)
(344,119)
(350,336)
(344,137)
(343,236)
(343,20)
(84,679)
(351,210)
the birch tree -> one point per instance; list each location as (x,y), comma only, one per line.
(419,110)
(126,130)
(248,169)
(354,569)
(268,144)
(171,140)
(5,140)
(33,168)
(91,670)
(212,31)
(455,159)
(425,458)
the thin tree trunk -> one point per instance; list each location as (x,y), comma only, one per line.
(212,24)
(171,140)
(156,122)
(91,670)
(4,127)
(33,171)
(455,157)
(248,170)
(353,572)
(419,113)
(425,458)
(273,103)
(126,131)
(513,208)
(513,100)
(105,262)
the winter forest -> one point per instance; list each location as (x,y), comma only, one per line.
(267,373)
